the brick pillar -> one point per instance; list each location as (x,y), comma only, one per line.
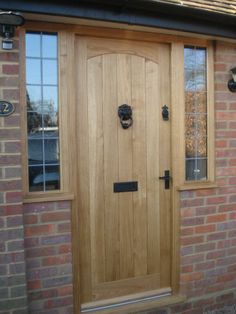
(13,293)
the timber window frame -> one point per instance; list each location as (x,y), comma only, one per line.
(209,181)
(64,192)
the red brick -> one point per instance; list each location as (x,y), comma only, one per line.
(232,215)
(57,216)
(192,240)
(205,229)
(205,192)
(215,254)
(191,276)
(38,230)
(226,277)
(56,260)
(192,221)
(65,291)
(9,160)
(192,202)
(12,94)
(13,197)
(65,248)
(187,231)
(205,265)
(216,236)
(216,218)
(187,269)
(30,219)
(220,67)
(33,285)
(227,207)
(10,68)
(205,247)
(9,56)
(216,200)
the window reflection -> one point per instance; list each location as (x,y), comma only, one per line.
(195,113)
(42,111)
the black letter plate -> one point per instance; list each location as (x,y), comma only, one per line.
(125,186)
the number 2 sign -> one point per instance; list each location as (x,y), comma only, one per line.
(6,108)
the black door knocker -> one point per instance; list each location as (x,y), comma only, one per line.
(165,113)
(125,115)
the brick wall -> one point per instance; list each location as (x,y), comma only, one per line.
(12,260)
(48,257)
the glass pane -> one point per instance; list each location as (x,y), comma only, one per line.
(33,96)
(202,169)
(35,151)
(32,45)
(189,58)
(50,98)
(200,78)
(34,123)
(36,179)
(196,147)
(52,177)
(51,148)
(201,58)
(50,72)
(196,169)
(195,125)
(195,102)
(33,71)
(50,124)
(190,82)
(49,46)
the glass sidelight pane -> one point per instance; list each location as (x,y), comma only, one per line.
(195,113)
(42,111)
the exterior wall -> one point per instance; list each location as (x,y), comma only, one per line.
(13,293)
(48,257)
(208,219)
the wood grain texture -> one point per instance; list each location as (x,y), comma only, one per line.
(96,168)
(125,147)
(83,196)
(111,167)
(121,249)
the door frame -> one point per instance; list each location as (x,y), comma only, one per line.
(66,35)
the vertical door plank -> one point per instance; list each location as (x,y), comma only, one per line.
(96,168)
(139,165)
(110,166)
(165,165)
(83,169)
(125,169)
(152,125)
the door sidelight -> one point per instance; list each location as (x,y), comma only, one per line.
(167,178)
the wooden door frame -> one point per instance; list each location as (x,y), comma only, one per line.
(66,35)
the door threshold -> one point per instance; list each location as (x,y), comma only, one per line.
(133,304)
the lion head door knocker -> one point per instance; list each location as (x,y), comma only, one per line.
(125,115)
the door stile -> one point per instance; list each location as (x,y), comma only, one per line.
(83,168)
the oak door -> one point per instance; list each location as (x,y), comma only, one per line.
(124,238)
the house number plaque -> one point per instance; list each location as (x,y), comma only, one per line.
(6,108)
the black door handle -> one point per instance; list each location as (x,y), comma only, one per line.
(167,178)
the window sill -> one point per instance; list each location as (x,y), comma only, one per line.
(47,197)
(197,186)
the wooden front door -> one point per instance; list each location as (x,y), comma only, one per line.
(124,238)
